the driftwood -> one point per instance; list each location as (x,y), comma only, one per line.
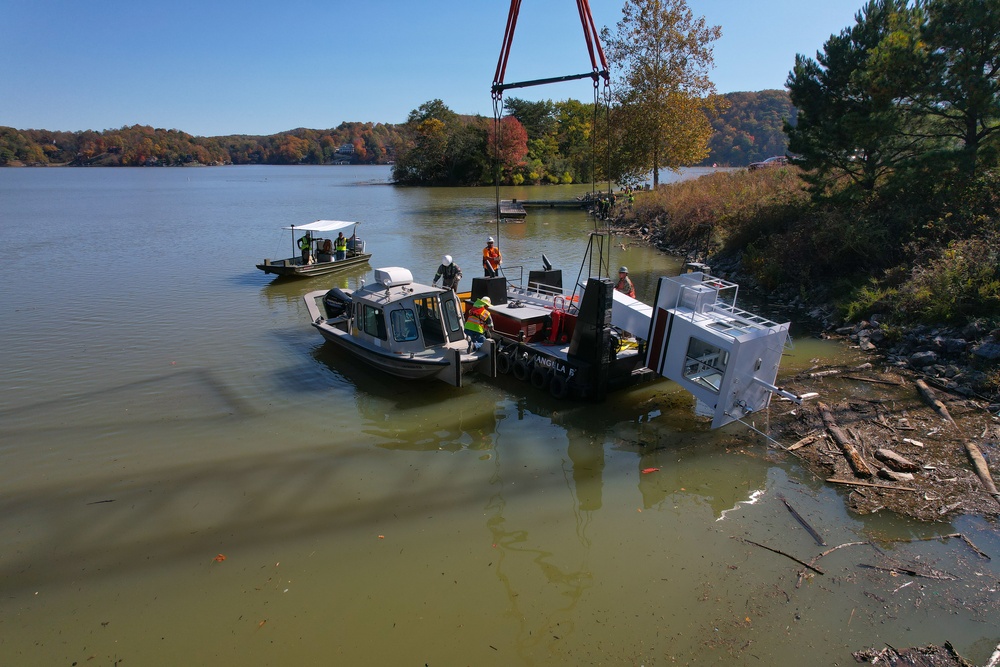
(858,464)
(982,470)
(782,553)
(893,476)
(798,517)
(899,569)
(895,461)
(931,399)
(868,484)
(808,440)
(872,380)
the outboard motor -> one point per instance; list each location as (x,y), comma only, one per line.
(337,302)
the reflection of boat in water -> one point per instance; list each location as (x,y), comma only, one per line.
(322,256)
(401,327)
(576,345)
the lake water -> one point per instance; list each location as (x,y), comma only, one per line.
(191,477)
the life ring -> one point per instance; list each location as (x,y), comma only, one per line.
(504,363)
(539,377)
(521,369)
(559,386)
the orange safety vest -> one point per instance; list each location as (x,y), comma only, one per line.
(492,257)
(478,319)
(625,286)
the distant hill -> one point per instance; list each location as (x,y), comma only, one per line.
(750,129)
(144,146)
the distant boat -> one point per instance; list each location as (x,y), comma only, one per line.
(401,327)
(322,259)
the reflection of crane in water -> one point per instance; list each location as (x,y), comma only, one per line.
(583,481)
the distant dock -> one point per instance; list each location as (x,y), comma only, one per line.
(512,208)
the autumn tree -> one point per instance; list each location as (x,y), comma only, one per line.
(510,147)
(663,55)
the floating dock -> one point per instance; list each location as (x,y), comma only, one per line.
(511,208)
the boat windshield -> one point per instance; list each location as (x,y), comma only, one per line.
(404,325)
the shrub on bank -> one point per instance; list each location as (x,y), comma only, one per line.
(915,255)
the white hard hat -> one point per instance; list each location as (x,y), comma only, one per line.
(623,269)
(486,300)
(446,260)
(490,240)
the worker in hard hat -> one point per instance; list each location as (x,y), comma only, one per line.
(477,322)
(625,285)
(450,272)
(491,259)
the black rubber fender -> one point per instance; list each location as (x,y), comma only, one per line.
(521,369)
(559,386)
(540,377)
(504,363)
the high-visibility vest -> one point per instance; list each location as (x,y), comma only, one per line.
(340,245)
(305,243)
(478,318)
(492,257)
(625,285)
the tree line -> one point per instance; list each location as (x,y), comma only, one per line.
(142,145)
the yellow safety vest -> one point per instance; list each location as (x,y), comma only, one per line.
(479,317)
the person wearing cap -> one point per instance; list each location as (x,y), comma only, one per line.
(491,259)
(450,272)
(477,321)
(625,285)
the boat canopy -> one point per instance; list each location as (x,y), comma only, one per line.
(322,226)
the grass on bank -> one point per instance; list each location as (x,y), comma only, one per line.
(926,255)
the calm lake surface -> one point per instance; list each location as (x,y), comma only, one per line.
(164,404)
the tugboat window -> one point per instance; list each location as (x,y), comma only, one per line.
(404,325)
(373,322)
(705,364)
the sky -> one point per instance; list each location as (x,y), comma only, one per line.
(220,67)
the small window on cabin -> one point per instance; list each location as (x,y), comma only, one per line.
(404,325)
(705,364)
(373,322)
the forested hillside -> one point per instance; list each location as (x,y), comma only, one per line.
(452,149)
(751,129)
(141,145)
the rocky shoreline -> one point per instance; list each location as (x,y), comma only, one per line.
(879,407)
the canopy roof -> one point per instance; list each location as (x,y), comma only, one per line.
(322,226)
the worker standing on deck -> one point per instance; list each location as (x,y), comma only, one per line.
(450,272)
(477,321)
(625,285)
(305,245)
(492,259)
(340,247)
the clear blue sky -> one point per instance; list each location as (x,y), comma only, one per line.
(214,67)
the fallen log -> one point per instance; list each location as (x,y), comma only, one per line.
(848,482)
(931,399)
(982,469)
(858,464)
(895,461)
